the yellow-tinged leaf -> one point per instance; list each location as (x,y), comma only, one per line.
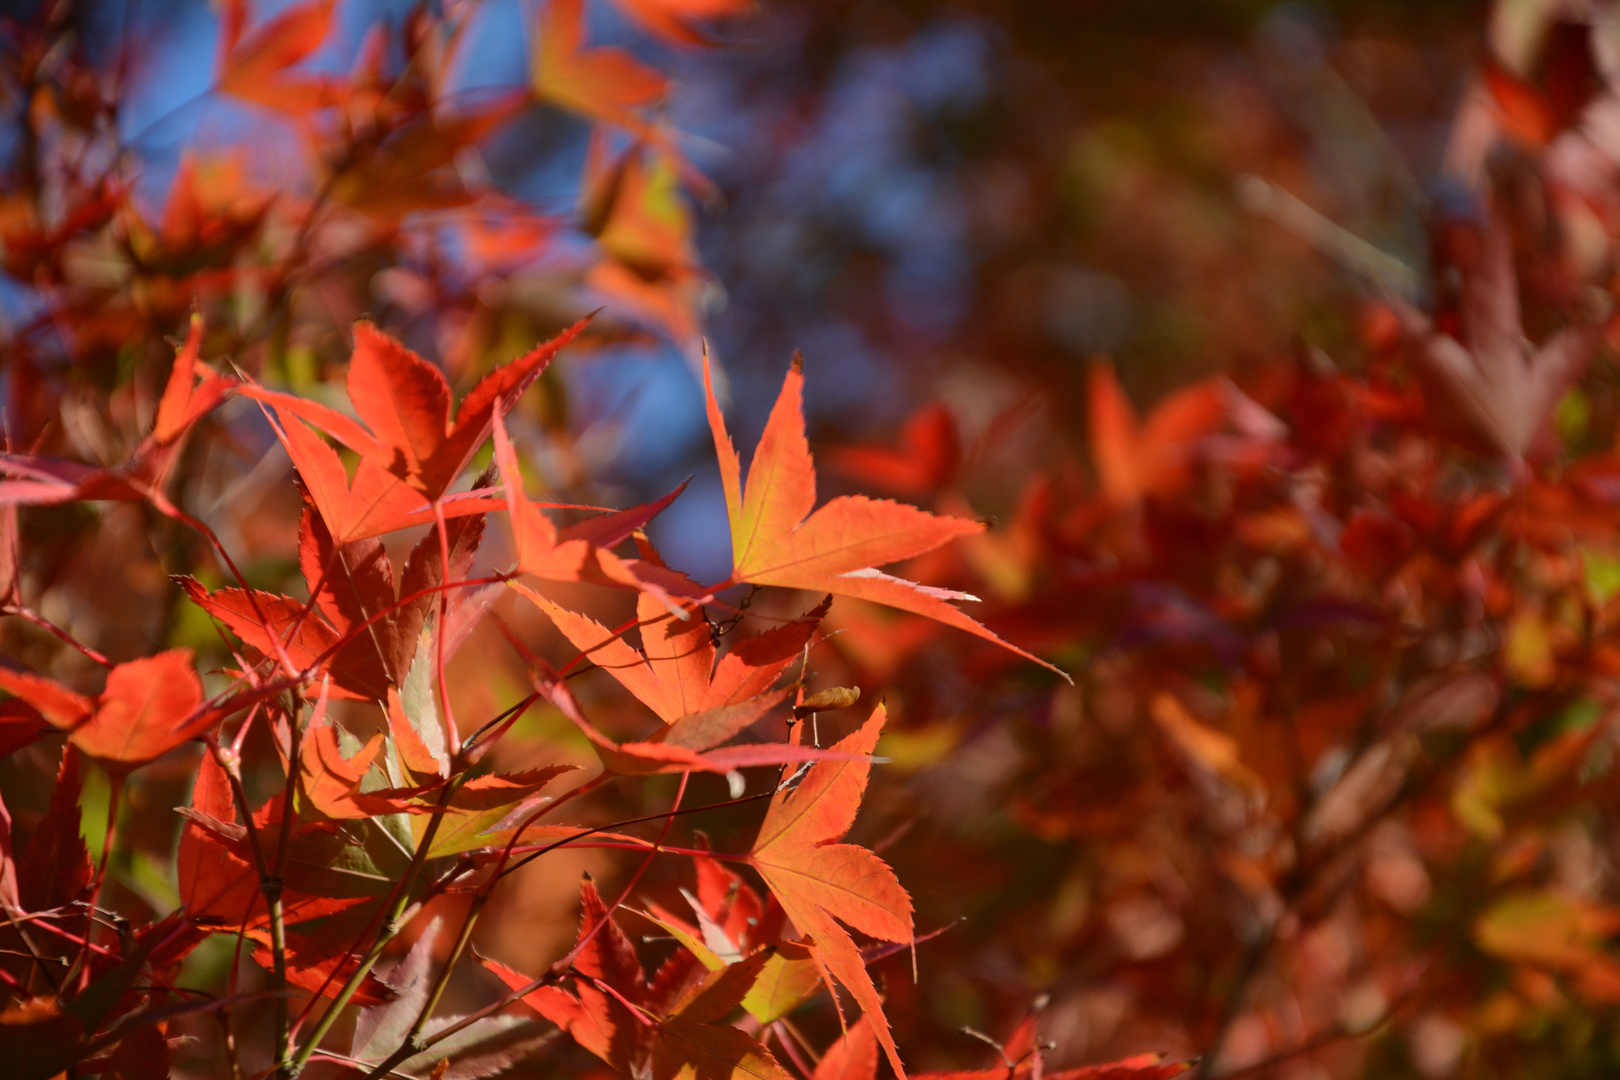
(820,882)
(1546,928)
(1211,749)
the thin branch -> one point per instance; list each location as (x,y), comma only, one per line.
(30,616)
(395,907)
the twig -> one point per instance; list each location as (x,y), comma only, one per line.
(29,615)
(395,907)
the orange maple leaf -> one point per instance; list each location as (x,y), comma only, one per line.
(776,540)
(821,882)
(1135,457)
(675,673)
(579,553)
(603,83)
(254,66)
(149,707)
(688,744)
(404,402)
(375,501)
(852,1057)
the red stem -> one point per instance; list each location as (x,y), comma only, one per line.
(451,733)
(585,939)
(28,615)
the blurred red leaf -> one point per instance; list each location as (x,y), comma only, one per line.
(254,65)
(675,20)
(149,707)
(926,460)
(142,1054)
(46,481)
(853,1057)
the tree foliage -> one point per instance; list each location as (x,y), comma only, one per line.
(355,725)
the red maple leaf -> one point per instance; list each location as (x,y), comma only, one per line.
(404,403)
(149,707)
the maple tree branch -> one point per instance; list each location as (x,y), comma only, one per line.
(225,1014)
(448,717)
(233,1057)
(1253,959)
(273,886)
(413,1039)
(233,774)
(395,907)
(474,748)
(27,939)
(1297,888)
(229,763)
(491,1009)
(289,266)
(655,848)
(30,616)
(553,974)
(607,913)
(642,1016)
(45,924)
(1336,1032)
(786,1041)
(412,1044)
(568,840)
(241,579)
(445,880)
(376,1071)
(464,937)
(584,789)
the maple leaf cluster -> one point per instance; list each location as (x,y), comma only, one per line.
(361,838)
(300,707)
